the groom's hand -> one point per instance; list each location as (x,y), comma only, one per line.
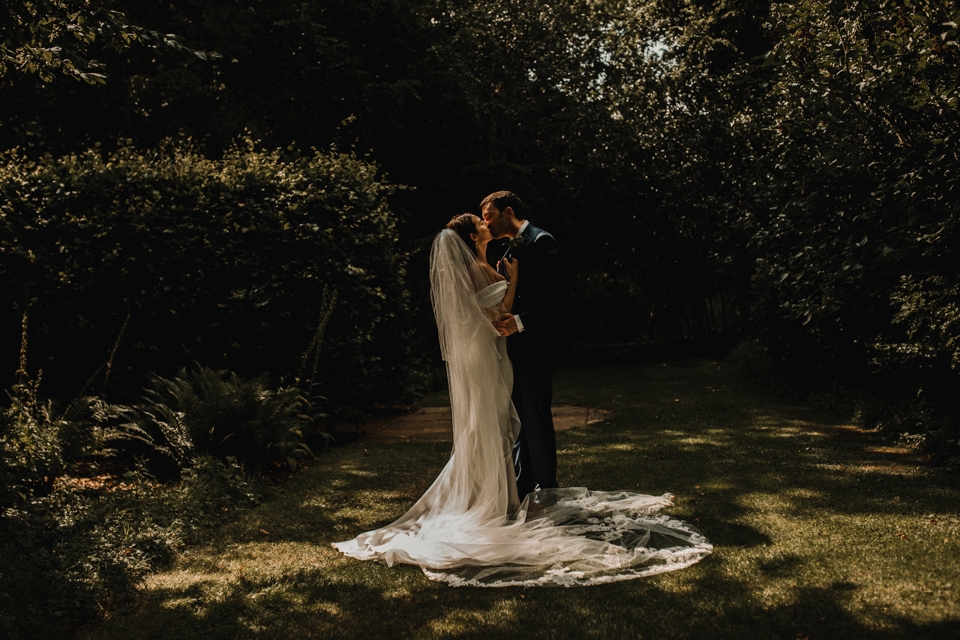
(505,324)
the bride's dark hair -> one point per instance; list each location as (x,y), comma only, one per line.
(464,225)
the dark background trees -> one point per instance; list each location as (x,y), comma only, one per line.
(782,170)
(855,280)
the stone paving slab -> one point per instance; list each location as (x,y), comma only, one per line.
(433,424)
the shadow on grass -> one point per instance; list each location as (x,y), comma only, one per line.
(806,515)
(319,604)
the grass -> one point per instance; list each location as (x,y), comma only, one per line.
(821,531)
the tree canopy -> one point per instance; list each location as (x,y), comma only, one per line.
(60,37)
(787,168)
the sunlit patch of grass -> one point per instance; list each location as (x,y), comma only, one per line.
(499,620)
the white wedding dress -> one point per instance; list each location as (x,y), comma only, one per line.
(470,528)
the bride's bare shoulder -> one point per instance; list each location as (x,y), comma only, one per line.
(490,272)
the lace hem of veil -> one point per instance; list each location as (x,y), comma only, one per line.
(580,538)
(585,538)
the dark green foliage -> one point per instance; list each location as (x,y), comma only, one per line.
(62,37)
(167,257)
(860,177)
(76,553)
(38,439)
(930,312)
(78,532)
(852,216)
(570,105)
(702,163)
(117,268)
(810,169)
(206,412)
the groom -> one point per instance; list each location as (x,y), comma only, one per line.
(532,329)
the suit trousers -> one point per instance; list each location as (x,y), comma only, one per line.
(535,451)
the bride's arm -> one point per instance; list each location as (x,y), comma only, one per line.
(512,267)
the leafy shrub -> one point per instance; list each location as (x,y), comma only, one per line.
(215,413)
(859,225)
(37,439)
(73,554)
(930,312)
(145,260)
(845,207)
(72,545)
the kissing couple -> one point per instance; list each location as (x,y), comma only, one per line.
(495,516)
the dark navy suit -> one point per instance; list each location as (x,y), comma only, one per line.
(539,304)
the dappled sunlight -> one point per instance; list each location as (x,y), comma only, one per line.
(331,609)
(352,474)
(679,583)
(717,432)
(500,618)
(178,603)
(888,450)
(786,431)
(827,466)
(763,504)
(889,468)
(353,520)
(382,496)
(809,519)
(803,493)
(700,441)
(184,580)
(621,447)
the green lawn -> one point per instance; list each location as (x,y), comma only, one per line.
(820,531)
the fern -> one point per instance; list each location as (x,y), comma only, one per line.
(203,411)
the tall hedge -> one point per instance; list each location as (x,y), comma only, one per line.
(134,262)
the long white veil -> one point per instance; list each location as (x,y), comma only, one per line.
(455,280)
(479,376)
(469,528)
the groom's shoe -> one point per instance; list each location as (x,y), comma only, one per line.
(541,499)
(544,497)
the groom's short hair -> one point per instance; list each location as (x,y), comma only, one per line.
(503,199)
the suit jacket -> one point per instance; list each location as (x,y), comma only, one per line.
(540,297)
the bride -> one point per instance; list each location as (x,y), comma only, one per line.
(471,528)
